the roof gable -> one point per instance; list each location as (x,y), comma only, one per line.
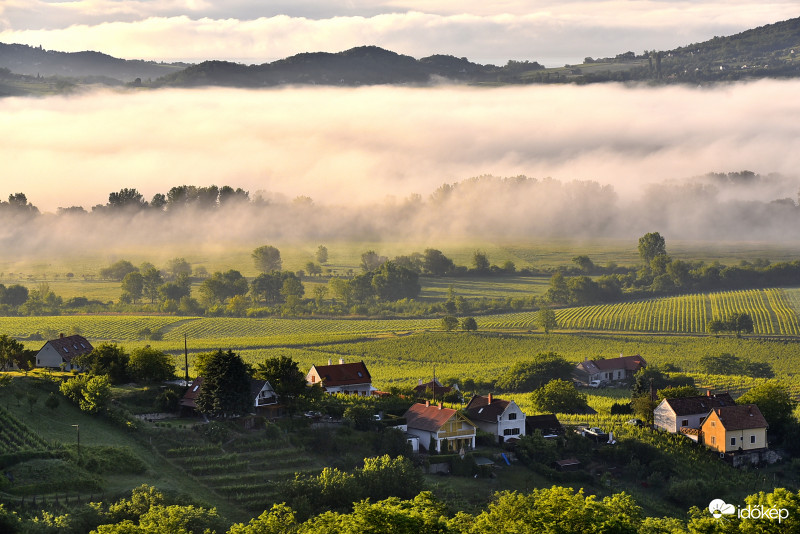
(480,408)
(741,417)
(699,404)
(69,347)
(343,374)
(429,418)
(629,363)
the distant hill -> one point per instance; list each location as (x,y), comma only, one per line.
(97,67)
(769,51)
(364,65)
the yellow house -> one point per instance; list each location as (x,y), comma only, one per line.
(441,425)
(735,429)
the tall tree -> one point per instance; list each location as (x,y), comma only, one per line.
(267,259)
(132,287)
(151,281)
(10,350)
(481,261)
(321,254)
(107,359)
(547,319)
(436,263)
(129,199)
(651,245)
(370,260)
(391,282)
(285,377)
(226,385)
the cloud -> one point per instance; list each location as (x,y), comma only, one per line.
(551,32)
(601,160)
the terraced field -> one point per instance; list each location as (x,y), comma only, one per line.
(246,472)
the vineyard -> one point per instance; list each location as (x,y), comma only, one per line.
(774,312)
(15,436)
(246,472)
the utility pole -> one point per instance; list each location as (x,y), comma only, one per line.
(186,359)
(78,430)
(434,383)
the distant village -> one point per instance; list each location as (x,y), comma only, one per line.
(737,432)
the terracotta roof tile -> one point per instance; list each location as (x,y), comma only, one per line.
(428,418)
(343,374)
(741,417)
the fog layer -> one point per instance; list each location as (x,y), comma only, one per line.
(600,160)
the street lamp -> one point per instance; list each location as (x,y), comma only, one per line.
(78,430)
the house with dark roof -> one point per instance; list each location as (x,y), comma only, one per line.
(347,378)
(62,351)
(687,412)
(611,369)
(439,427)
(739,428)
(500,417)
(265,401)
(434,388)
(548,424)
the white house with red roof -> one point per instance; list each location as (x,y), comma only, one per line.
(611,369)
(62,351)
(500,417)
(347,378)
(440,427)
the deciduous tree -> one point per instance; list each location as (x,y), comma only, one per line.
(267,259)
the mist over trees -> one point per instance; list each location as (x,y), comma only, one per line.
(732,206)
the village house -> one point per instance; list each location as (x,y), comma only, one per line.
(265,400)
(59,353)
(739,428)
(687,412)
(347,378)
(610,370)
(434,388)
(500,417)
(439,427)
(548,424)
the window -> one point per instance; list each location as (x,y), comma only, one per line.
(313,379)
(713,424)
(733,442)
(753,438)
(515,431)
(713,440)
(507,432)
(685,422)
(66,350)
(512,416)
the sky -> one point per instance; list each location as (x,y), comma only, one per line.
(553,32)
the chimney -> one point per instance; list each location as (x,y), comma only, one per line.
(341,361)
(440,406)
(490,399)
(61,335)
(427,403)
(708,393)
(419,382)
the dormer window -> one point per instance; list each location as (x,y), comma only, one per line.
(66,350)
(359,374)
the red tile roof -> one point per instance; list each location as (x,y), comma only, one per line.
(343,374)
(742,417)
(69,347)
(429,418)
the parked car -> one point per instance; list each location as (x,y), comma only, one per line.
(597,384)
(635,422)
(594,433)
